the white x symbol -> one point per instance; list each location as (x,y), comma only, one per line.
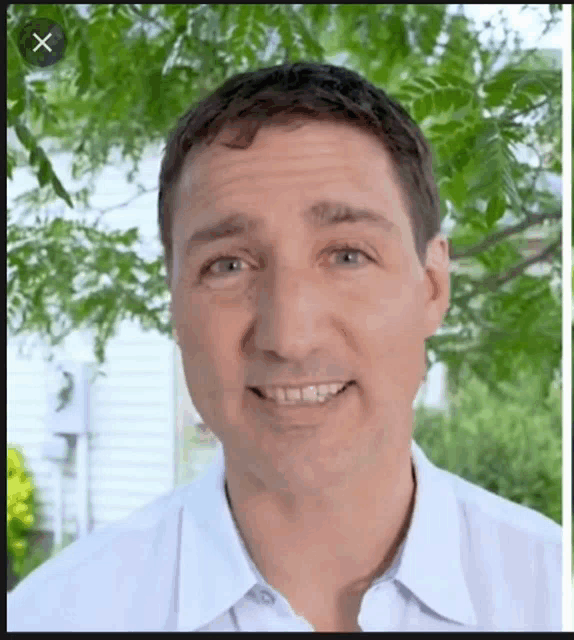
(42,42)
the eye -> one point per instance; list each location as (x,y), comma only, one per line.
(350,256)
(223,266)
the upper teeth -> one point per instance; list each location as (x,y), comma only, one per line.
(311,393)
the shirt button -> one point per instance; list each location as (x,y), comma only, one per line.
(266,597)
(252,595)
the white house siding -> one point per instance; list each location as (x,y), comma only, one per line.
(132,429)
(132,410)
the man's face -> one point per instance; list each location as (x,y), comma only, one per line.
(297,300)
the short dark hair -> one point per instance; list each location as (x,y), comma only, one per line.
(305,89)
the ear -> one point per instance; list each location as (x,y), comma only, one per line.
(437,283)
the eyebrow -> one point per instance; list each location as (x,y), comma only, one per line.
(321,214)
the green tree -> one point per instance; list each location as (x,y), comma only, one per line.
(489,441)
(477,105)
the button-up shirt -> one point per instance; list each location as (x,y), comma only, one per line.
(471,561)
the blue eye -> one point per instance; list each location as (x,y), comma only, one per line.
(230,265)
(346,252)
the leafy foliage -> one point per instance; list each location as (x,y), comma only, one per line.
(501,459)
(20,509)
(132,70)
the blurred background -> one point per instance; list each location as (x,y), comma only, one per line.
(100,422)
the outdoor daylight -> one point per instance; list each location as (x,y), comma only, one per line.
(206,410)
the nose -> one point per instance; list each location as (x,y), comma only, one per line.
(292,313)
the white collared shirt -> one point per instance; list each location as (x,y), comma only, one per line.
(471,561)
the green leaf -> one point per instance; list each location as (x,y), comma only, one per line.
(59,228)
(10,164)
(17,109)
(457,190)
(44,172)
(60,191)
(24,135)
(85,77)
(510,82)
(312,45)
(320,15)
(129,237)
(155,80)
(496,209)
(431,22)
(286,33)
(400,44)
(245,29)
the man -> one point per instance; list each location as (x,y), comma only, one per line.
(300,222)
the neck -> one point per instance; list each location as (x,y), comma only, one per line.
(337,540)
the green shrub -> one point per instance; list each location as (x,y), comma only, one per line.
(510,446)
(35,556)
(20,510)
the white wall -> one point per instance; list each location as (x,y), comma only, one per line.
(132,417)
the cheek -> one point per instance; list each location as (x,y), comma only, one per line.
(210,338)
(393,338)
(394,314)
(211,372)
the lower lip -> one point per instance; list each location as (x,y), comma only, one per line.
(300,412)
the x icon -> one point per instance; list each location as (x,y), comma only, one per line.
(42,43)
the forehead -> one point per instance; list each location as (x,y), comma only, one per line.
(303,153)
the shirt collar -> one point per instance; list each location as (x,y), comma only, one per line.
(429,564)
(216,570)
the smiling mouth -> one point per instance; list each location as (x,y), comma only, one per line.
(319,396)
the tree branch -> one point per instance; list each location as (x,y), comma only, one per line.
(499,280)
(493,282)
(147,17)
(122,205)
(510,119)
(499,235)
